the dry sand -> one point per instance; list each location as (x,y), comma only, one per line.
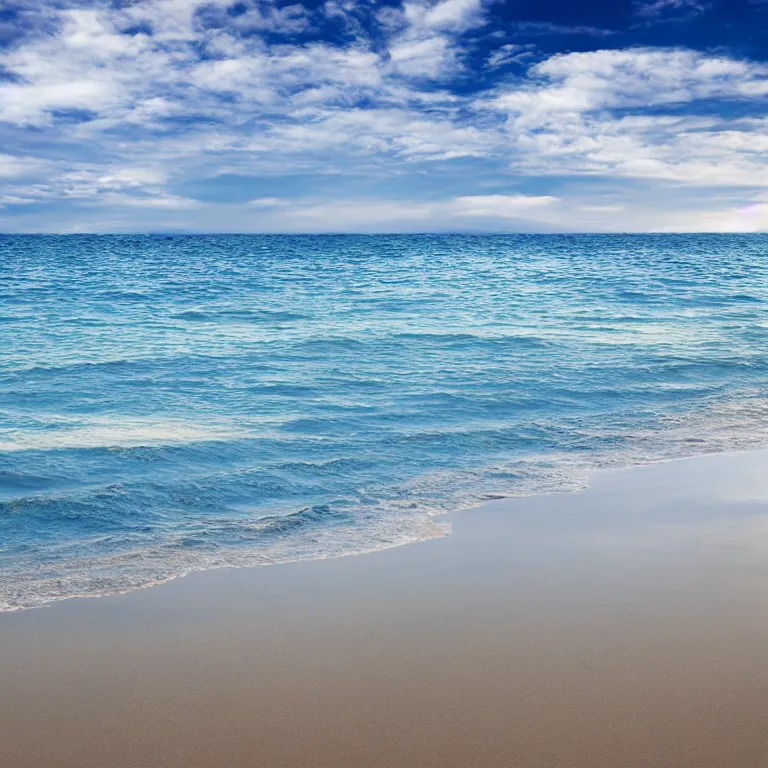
(622,627)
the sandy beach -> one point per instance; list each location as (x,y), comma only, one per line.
(624,626)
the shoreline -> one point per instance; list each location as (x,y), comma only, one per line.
(440,520)
(623,625)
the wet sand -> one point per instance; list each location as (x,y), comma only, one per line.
(622,627)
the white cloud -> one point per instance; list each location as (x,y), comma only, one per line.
(748,218)
(266,202)
(480,213)
(425,45)
(501,206)
(13,166)
(447,14)
(586,113)
(465,212)
(500,213)
(548,28)
(655,10)
(619,79)
(164,201)
(126,103)
(422,58)
(95,183)
(510,53)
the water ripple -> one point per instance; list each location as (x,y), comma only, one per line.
(168,405)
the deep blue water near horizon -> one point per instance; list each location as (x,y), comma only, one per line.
(169,404)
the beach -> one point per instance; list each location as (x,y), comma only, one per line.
(624,625)
(383,385)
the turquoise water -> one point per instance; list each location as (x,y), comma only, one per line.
(175,404)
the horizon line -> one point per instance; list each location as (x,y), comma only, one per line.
(352,233)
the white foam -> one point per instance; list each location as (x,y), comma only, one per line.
(115,433)
(415,516)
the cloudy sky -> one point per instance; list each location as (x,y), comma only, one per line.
(349,115)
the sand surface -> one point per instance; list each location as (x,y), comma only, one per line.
(622,627)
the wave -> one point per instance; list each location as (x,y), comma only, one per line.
(13,482)
(126,295)
(265,316)
(146,552)
(116,433)
(490,339)
(295,398)
(310,533)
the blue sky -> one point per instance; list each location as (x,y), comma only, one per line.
(454,115)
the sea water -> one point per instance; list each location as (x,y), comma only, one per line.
(170,404)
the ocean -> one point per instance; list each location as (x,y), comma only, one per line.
(179,403)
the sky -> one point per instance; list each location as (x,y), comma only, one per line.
(356,116)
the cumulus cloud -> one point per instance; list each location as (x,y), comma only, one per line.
(425,43)
(612,79)
(128,102)
(588,113)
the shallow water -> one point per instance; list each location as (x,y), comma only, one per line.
(172,404)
